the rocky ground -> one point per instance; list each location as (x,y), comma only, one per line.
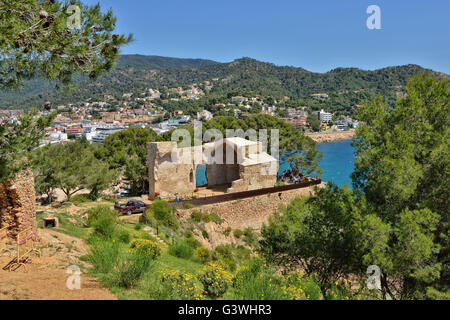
(45,277)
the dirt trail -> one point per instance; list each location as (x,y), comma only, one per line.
(46,277)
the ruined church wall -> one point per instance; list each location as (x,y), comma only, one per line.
(165,176)
(251,178)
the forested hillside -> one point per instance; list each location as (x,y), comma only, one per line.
(346,87)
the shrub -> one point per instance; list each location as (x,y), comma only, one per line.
(215,218)
(215,279)
(184,285)
(227,231)
(103,255)
(199,216)
(202,254)
(297,287)
(194,243)
(205,234)
(163,213)
(95,213)
(238,233)
(80,198)
(148,247)
(225,251)
(181,249)
(138,227)
(188,206)
(104,227)
(250,237)
(122,235)
(130,268)
(253,282)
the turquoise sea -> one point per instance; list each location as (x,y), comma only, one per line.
(337,163)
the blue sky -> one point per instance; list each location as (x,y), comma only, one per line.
(318,35)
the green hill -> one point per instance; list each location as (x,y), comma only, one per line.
(133,73)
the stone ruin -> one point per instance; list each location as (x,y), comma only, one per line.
(18,204)
(172,170)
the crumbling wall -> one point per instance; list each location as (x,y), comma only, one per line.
(18,204)
(252,178)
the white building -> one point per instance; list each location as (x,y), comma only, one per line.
(324,116)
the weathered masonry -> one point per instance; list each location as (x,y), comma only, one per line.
(236,163)
(18,204)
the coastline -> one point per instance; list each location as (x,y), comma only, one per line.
(322,137)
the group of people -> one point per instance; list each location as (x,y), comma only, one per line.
(292,177)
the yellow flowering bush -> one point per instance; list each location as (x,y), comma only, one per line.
(202,254)
(215,279)
(298,287)
(184,285)
(147,247)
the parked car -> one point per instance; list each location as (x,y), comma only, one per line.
(125,193)
(131,207)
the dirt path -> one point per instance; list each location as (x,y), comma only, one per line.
(46,277)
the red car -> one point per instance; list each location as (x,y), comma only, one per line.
(132,206)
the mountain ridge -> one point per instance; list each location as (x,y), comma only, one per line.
(134,73)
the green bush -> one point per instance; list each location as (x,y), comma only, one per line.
(104,227)
(238,233)
(184,286)
(250,238)
(215,218)
(80,198)
(225,251)
(194,243)
(188,206)
(130,268)
(299,287)
(150,248)
(181,249)
(199,216)
(103,255)
(254,281)
(205,234)
(122,235)
(100,211)
(227,231)
(215,279)
(138,226)
(202,254)
(163,213)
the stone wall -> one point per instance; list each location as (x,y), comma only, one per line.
(18,204)
(250,212)
(241,214)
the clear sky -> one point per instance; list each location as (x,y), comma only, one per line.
(318,35)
